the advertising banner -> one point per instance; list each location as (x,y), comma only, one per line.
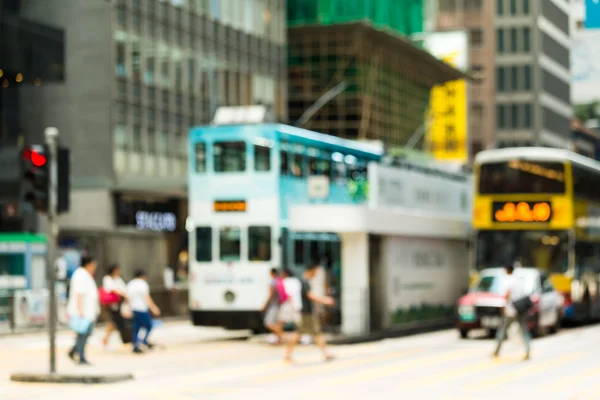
(30,308)
(447,118)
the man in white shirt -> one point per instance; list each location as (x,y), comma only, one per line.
(515,292)
(83,303)
(290,310)
(141,304)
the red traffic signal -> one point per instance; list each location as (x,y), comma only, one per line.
(36,158)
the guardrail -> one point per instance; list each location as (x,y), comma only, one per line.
(27,310)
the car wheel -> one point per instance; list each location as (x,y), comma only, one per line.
(464,333)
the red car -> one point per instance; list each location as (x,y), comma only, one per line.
(481,308)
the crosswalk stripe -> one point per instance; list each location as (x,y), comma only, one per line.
(526,371)
(336,365)
(570,380)
(457,373)
(407,364)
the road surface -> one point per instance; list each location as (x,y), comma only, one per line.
(431,366)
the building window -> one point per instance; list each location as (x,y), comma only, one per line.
(514,116)
(513,40)
(526,40)
(120,137)
(262,158)
(204,244)
(259,243)
(476,37)
(136,145)
(527,116)
(513,7)
(500,7)
(477,112)
(500,40)
(230,156)
(447,5)
(501,116)
(230,244)
(527,77)
(500,79)
(121,68)
(514,78)
(526,7)
(473,5)
(200,157)
(151,141)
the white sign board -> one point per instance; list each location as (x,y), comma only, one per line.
(400,187)
(422,277)
(318,187)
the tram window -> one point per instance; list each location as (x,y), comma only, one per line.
(230,244)
(312,166)
(298,165)
(284,163)
(200,157)
(324,167)
(298,252)
(262,158)
(259,243)
(230,156)
(204,244)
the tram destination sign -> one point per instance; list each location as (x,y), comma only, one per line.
(229,206)
(522,211)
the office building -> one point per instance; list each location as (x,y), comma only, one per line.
(521,52)
(139,73)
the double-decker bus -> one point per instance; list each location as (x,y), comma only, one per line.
(538,206)
(242,180)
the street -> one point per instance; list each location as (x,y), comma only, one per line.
(431,366)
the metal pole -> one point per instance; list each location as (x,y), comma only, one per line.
(321,101)
(51,136)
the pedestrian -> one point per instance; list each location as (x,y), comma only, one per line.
(290,310)
(271,308)
(518,305)
(114,286)
(141,303)
(83,306)
(309,322)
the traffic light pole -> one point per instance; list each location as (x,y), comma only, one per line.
(51,140)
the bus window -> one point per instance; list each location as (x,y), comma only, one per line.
(203,244)
(522,177)
(230,244)
(230,156)
(259,243)
(262,158)
(200,157)
(284,163)
(298,166)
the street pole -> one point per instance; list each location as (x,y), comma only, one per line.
(52,229)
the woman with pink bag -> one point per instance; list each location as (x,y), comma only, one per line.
(112,294)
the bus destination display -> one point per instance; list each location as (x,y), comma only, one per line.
(522,211)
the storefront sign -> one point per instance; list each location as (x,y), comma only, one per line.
(230,206)
(156,221)
(30,307)
(522,211)
(147,215)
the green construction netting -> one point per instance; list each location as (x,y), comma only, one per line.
(401,16)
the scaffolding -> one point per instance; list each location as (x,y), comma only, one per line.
(389,81)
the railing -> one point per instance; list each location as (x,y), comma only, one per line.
(27,311)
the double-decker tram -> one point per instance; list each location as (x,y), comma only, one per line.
(541,207)
(242,180)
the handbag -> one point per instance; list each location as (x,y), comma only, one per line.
(80,325)
(108,298)
(523,305)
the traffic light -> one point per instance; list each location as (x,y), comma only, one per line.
(64,180)
(36,169)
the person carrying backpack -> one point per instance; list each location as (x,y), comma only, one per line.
(277,296)
(518,305)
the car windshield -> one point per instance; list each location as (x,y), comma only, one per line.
(497,284)
(490,284)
